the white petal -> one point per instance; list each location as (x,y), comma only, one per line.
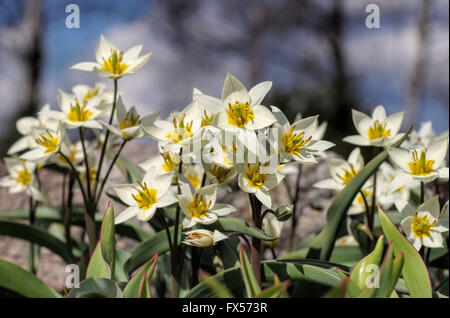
(358,117)
(264,197)
(126,215)
(231,84)
(145,215)
(432,206)
(85,66)
(263,118)
(104,49)
(132,53)
(437,152)
(223,209)
(356,140)
(393,123)
(400,157)
(434,240)
(328,184)
(379,113)
(124,192)
(258,92)
(211,104)
(280,117)
(166,200)
(399,181)
(443,173)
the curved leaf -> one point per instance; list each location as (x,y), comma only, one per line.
(236,225)
(37,236)
(156,244)
(323,244)
(17,280)
(414,271)
(251,285)
(96,288)
(133,287)
(298,271)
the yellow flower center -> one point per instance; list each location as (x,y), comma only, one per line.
(23,177)
(168,164)
(130,120)
(348,174)
(220,173)
(146,197)
(198,207)
(367,193)
(91,93)
(254,177)
(239,114)
(181,130)
(114,64)
(420,166)
(421,226)
(294,143)
(378,130)
(206,120)
(79,113)
(194,179)
(48,141)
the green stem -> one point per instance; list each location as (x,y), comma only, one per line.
(32,217)
(174,254)
(109,171)
(89,217)
(422,192)
(86,163)
(105,141)
(294,209)
(256,243)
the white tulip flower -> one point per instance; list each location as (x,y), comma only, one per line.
(113,63)
(203,238)
(48,143)
(239,108)
(86,92)
(424,137)
(296,142)
(425,225)
(379,130)
(129,122)
(21,177)
(145,197)
(200,207)
(421,164)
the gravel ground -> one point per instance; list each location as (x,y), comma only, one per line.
(52,268)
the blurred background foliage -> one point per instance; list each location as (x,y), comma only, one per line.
(319,54)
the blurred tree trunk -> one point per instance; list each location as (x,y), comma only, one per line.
(30,55)
(416,81)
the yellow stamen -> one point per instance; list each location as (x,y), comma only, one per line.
(198,207)
(348,174)
(114,64)
(220,173)
(421,226)
(23,177)
(239,114)
(420,166)
(254,177)
(294,143)
(91,93)
(378,130)
(168,164)
(48,141)
(206,120)
(181,130)
(79,113)
(146,197)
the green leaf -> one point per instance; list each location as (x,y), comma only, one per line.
(360,272)
(107,239)
(37,236)
(17,280)
(218,289)
(277,290)
(236,225)
(443,287)
(103,259)
(134,173)
(156,244)
(50,214)
(323,244)
(251,285)
(96,288)
(134,286)
(414,270)
(321,273)
(351,288)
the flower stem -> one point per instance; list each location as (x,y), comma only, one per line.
(422,192)
(294,209)
(86,163)
(109,171)
(89,217)
(105,140)
(256,243)
(32,217)
(174,254)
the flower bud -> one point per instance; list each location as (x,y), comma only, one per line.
(284,212)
